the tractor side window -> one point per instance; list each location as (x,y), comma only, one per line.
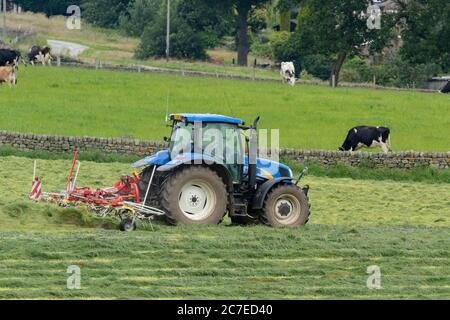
(221,141)
(181,139)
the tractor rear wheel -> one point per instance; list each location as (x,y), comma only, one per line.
(194,195)
(285,206)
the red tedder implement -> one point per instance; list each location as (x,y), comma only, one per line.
(123,200)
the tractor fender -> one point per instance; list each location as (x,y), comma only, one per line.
(263,190)
(159,159)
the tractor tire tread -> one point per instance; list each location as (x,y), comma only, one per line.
(264,216)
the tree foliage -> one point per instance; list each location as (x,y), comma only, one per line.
(49,7)
(104,13)
(194,28)
(426,31)
(138,15)
(336,30)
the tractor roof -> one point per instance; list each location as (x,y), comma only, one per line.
(205,117)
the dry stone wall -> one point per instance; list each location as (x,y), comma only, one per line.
(404,160)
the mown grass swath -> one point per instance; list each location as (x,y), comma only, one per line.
(318,261)
(402,227)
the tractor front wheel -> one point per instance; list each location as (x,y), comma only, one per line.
(194,195)
(285,206)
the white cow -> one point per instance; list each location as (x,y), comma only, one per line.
(288,73)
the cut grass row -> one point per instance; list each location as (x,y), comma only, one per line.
(113,104)
(401,227)
(318,261)
(335,201)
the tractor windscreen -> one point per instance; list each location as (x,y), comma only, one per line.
(222,141)
(181,137)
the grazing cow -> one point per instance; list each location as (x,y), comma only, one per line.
(446,88)
(8,75)
(288,73)
(364,136)
(9,57)
(38,54)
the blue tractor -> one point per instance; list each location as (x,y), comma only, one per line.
(211,169)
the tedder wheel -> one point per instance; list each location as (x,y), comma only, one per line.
(194,195)
(285,206)
(127,225)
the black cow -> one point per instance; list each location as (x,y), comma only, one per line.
(9,57)
(38,54)
(365,136)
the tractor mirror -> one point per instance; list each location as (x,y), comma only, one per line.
(255,122)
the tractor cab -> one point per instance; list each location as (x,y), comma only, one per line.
(222,140)
(211,168)
(212,138)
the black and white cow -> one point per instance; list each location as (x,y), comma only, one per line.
(367,137)
(287,73)
(38,54)
(9,57)
(446,88)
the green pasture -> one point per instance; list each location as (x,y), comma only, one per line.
(116,104)
(402,227)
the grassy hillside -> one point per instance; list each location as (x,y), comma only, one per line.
(104,103)
(401,227)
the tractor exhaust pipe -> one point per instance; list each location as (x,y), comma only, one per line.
(253,153)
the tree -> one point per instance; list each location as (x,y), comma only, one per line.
(139,14)
(194,28)
(285,8)
(241,10)
(338,30)
(49,7)
(104,13)
(425,31)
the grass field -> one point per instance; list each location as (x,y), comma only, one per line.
(401,227)
(105,103)
(360,216)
